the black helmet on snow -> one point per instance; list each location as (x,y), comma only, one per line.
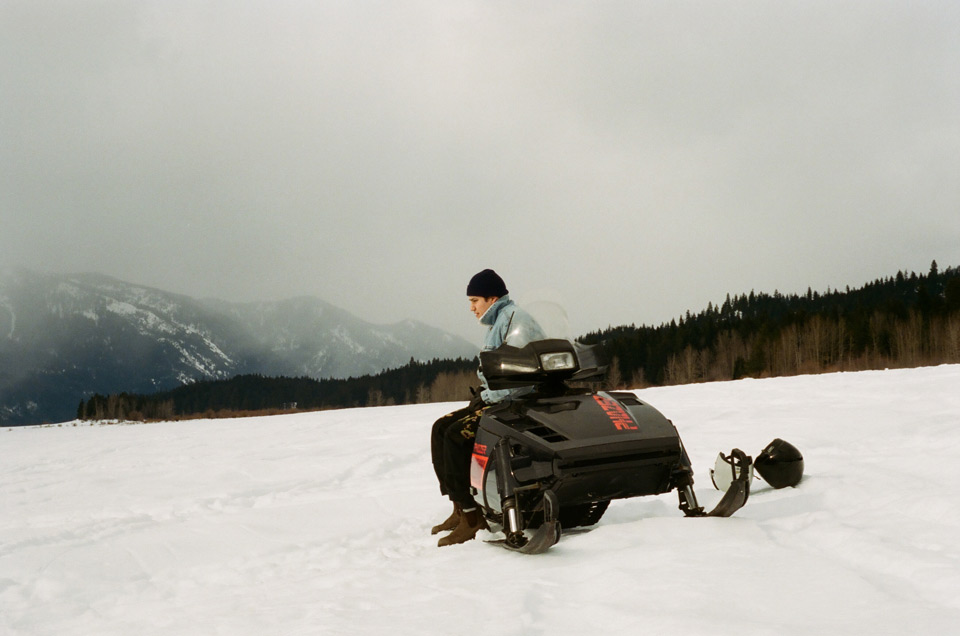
(780,464)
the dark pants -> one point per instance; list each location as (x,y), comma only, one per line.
(451,445)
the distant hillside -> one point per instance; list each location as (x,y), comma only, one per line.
(64,338)
(907,320)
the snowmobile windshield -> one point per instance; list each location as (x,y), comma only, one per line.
(523,333)
(540,320)
(539,348)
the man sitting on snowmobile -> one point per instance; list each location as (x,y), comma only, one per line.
(451,440)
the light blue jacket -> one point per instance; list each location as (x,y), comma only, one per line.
(508,323)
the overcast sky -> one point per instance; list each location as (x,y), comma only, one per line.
(632,159)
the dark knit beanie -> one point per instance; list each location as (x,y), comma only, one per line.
(487,283)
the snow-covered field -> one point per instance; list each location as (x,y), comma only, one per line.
(319,524)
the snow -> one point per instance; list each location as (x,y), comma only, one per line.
(318,523)
(343,335)
(147,323)
(122,308)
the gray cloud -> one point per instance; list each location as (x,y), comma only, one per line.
(639,159)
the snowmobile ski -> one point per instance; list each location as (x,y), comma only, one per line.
(739,490)
(736,496)
(547,534)
(542,540)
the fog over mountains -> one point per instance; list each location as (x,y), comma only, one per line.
(66,337)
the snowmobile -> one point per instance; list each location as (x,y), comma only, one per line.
(554,455)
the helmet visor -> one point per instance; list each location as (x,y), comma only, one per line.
(725,470)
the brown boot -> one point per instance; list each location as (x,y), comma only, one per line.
(451,522)
(471,522)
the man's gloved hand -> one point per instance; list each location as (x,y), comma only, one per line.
(476,403)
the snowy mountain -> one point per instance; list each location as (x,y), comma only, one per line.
(307,336)
(319,523)
(65,337)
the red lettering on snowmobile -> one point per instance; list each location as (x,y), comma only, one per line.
(617,414)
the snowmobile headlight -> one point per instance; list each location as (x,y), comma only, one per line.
(559,361)
(726,470)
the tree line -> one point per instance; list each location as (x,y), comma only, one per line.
(905,320)
(416,382)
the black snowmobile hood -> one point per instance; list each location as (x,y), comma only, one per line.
(615,422)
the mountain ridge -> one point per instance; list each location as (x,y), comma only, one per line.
(64,337)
